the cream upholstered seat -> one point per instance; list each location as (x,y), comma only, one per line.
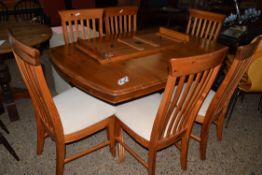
(156,121)
(143,112)
(69,117)
(87,110)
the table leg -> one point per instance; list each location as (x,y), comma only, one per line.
(7,94)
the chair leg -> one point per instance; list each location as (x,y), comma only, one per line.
(2,125)
(60,157)
(111,136)
(203,143)
(232,105)
(119,135)
(260,104)
(220,124)
(40,136)
(151,161)
(8,146)
(184,150)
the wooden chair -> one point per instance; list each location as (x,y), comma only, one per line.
(120,19)
(3,13)
(204,24)
(251,81)
(215,105)
(83,23)
(156,128)
(66,118)
(30,10)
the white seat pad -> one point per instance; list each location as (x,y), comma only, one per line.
(206,103)
(139,115)
(79,110)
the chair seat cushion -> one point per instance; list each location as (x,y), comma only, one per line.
(206,103)
(79,110)
(139,115)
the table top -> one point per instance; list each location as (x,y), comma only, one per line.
(29,33)
(122,80)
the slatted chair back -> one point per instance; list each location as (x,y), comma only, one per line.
(30,67)
(216,107)
(3,13)
(184,93)
(204,24)
(219,105)
(83,23)
(189,80)
(29,10)
(120,20)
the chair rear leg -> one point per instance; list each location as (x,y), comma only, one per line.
(40,136)
(8,147)
(184,150)
(232,105)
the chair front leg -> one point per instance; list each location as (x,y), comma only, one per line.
(111,135)
(152,161)
(60,157)
(120,139)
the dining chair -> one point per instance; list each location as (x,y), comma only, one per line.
(29,10)
(120,20)
(66,118)
(251,81)
(81,23)
(204,24)
(156,122)
(216,103)
(3,13)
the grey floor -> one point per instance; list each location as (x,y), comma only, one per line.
(240,151)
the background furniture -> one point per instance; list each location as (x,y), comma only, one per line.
(156,129)
(3,13)
(30,10)
(31,34)
(216,103)
(120,20)
(81,23)
(66,118)
(204,24)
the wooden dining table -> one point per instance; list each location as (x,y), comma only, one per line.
(121,68)
(31,34)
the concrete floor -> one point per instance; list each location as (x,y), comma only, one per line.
(240,151)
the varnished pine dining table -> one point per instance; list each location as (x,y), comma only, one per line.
(31,34)
(116,69)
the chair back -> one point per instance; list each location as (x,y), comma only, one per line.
(3,13)
(220,102)
(204,24)
(120,20)
(188,83)
(29,10)
(83,23)
(28,62)
(254,73)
